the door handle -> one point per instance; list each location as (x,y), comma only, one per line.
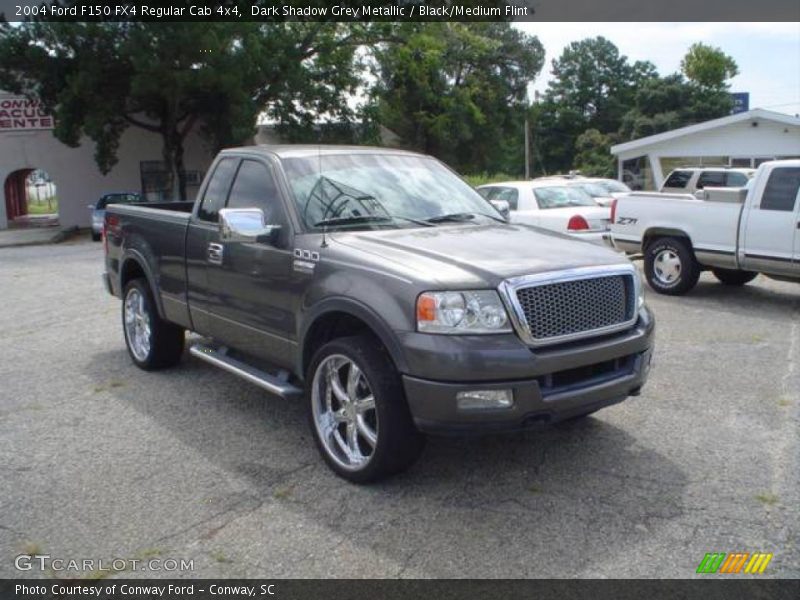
(215,253)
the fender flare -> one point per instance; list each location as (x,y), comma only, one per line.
(360,311)
(133,255)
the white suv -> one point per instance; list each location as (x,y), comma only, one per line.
(690,179)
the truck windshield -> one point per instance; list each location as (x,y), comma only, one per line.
(371,191)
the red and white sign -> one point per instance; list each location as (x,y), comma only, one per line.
(18,113)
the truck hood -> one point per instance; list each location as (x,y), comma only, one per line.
(473,255)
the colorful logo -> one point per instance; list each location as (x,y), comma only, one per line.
(719,562)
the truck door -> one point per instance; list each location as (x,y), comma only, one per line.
(203,250)
(252,285)
(769,237)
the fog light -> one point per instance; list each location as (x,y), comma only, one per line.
(483,399)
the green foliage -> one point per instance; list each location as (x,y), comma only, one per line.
(593,155)
(484,178)
(708,67)
(599,98)
(593,87)
(170,78)
(458,91)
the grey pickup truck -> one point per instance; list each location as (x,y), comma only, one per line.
(383,290)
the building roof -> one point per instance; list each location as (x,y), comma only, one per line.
(756,113)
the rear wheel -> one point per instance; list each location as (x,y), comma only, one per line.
(670,266)
(96,237)
(734,277)
(152,342)
(358,412)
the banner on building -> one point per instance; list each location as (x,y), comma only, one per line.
(18,113)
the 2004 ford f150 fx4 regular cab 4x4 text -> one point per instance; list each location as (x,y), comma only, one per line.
(386,291)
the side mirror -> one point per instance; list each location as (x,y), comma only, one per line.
(243,225)
(502,207)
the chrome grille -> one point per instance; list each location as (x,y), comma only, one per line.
(557,307)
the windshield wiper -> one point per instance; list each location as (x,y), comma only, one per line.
(353,219)
(460,217)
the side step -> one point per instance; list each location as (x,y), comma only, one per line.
(262,379)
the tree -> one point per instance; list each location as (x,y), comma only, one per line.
(708,67)
(698,94)
(98,79)
(593,154)
(458,91)
(593,87)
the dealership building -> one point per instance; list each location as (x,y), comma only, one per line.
(33,163)
(745,139)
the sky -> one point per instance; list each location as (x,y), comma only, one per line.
(768,54)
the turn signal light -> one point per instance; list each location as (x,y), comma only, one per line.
(577,223)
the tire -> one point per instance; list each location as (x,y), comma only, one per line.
(734,277)
(96,237)
(152,342)
(670,266)
(384,439)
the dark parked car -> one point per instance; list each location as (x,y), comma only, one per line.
(384,290)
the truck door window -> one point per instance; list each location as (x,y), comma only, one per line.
(217,190)
(780,192)
(711,178)
(254,187)
(678,179)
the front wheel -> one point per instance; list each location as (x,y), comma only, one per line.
(152,342)
(358,413)
(670,266)
(734,277)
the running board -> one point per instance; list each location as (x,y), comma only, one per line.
(271,383)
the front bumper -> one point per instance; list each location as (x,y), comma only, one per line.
(549,385)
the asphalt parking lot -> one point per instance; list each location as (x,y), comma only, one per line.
(100,460)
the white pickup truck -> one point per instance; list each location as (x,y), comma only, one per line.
(736,233)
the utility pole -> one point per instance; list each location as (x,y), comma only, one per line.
(527,146)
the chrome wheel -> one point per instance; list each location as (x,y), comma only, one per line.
(667,267)
(137,325)
(344,412)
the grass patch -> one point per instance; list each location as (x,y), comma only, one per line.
(31,548)
(484,178)
(218,556)
(784,401)
(114,383)
(43,208)
(535,489)
(148,553)
(282,493)
(767,498)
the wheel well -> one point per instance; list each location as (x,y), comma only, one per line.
(330,326)
(652,234)
(131,269)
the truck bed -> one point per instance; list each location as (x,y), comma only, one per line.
(157,232)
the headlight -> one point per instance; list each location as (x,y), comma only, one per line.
(479,311)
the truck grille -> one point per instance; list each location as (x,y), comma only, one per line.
(553,310)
